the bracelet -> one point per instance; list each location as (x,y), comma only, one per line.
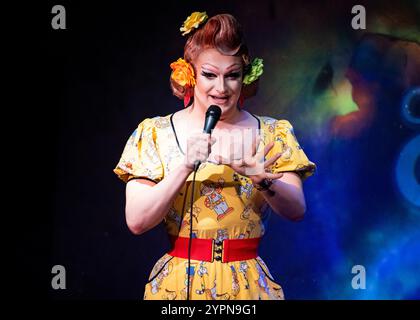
(264,185)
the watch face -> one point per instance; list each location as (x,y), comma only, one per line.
(268,182)
(264,185)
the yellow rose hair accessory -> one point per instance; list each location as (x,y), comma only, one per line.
(254,72)
(193,21)
(183,73)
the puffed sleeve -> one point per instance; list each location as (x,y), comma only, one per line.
(140,157)
(293,157)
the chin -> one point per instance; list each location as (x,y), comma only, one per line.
(223,106)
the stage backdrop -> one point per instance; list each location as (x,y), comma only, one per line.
(353,97)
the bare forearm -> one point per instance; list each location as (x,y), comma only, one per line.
(146,207)
(286,200)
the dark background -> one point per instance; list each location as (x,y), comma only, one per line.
(85,89)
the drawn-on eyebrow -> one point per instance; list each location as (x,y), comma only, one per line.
(228,69)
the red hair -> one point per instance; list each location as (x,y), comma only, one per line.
(224,33)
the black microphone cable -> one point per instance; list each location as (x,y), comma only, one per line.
(191,228)
(212,116)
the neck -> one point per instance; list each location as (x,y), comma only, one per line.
(198,114)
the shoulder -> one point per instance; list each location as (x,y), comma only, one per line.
(273,123)
(158,122)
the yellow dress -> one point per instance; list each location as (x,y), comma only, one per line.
(226,206)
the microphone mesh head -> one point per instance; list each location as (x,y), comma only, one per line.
(214,111)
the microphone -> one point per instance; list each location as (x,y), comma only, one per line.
(212,116)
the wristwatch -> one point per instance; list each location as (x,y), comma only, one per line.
(264,184)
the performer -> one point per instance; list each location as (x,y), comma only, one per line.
(231,195)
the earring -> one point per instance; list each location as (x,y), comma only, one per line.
(241,100)
(187,97)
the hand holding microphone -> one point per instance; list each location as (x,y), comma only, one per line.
(199,145)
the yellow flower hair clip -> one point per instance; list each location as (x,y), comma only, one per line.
(193,21)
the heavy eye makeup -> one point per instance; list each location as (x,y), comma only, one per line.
(210,75)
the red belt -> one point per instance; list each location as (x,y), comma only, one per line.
(208,249)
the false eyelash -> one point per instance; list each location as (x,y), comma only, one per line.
(209,75)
